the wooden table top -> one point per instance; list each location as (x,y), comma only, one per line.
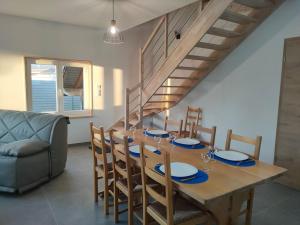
(223,179)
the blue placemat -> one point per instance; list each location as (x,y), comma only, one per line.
(153,135)
(200,177)
(138,154)
(198,146)
(245,163)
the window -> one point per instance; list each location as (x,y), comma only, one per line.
(59,86)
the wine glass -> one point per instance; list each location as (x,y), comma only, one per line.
(158,140)
(133,129)
(206,157)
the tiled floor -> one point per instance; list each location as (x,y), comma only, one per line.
(68,200)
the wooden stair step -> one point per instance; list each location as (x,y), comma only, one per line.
(134,122)
(223,33)
(212,46)
(168,94)
(255,4)
(118,128)
(192,68)
(184,78)
(161,101)
(176,86)
(232,16)
(204,58)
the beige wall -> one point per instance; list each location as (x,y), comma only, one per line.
(12,81)
(114,67)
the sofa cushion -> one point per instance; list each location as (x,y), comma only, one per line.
(23,148)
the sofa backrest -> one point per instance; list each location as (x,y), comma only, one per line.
(16,125)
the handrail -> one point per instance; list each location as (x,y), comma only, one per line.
(154,32)
(193,34)
(155,52)
(135,87)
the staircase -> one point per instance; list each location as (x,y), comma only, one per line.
(170,67)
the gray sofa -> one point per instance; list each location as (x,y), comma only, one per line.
(33,149)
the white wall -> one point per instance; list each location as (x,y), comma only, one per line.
(28,37)
(242,93)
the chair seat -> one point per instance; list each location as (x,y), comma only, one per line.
(136,180)
(184,210)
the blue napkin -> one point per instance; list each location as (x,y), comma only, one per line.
(138,154)
(244,163)
(199,177)
(198,146)
(153,135)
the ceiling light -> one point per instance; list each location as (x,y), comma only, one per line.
(113,35)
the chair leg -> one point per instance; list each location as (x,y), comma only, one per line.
(249,207)
(106,196)
(95,185)
(116,204)
(130,210)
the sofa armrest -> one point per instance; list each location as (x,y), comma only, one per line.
(23,148)
(58,146)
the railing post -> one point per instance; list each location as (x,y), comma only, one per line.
(126,119)
(166,35)
(141,76)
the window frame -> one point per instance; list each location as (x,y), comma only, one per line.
(87,83)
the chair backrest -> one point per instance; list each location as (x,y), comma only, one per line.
(256,142)
(176,123)
(165,196)
(193,115)
(98,141)
(120,157)
(197,131)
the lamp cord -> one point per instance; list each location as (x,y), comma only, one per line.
(113,9)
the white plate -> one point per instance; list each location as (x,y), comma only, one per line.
(187,141)
(232,155)
(157,132)
(179,169)
(136,148)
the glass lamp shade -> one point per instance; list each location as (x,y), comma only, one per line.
(113,35)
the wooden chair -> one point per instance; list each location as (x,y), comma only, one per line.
(125,180)
(163,208)
(193,115)
(177,123)
(198,130)
(102,169)
(248,195)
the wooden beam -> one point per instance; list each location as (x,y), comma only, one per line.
(191,37)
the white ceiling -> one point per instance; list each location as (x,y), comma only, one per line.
(91,13)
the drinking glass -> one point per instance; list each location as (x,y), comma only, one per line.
(206,158)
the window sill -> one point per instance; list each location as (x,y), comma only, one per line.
(79,114)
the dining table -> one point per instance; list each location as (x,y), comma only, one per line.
(224,191)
